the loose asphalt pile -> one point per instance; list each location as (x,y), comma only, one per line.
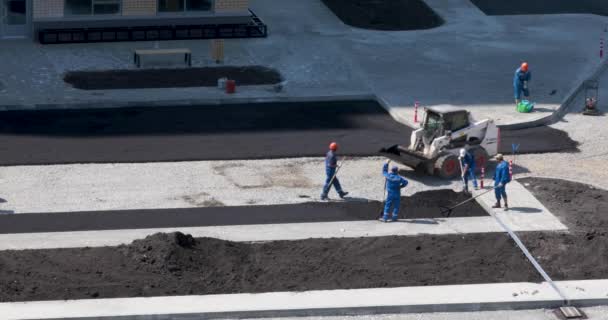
(171,78)
(420,205)
(582,252)
(385,14)
(219,132)
(515,7)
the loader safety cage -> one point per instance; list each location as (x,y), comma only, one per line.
(254,29)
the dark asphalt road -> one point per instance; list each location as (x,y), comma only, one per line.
(420,205)
(218,132)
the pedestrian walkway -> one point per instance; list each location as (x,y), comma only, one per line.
(525,211)
(473,297)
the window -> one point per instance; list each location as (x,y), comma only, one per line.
(106,6)
(88,7)
(184,5)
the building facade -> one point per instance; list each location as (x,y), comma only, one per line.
(52,21)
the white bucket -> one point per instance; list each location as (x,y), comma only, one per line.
(221,83)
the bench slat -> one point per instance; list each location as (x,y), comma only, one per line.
(162,51)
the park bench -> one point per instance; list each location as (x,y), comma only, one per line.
(137,55)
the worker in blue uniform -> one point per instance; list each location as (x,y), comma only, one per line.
(394,184)
(501,178)
(520,82)
(331,166)
(467,165)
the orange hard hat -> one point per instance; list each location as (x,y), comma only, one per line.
(524,66)
(333,146)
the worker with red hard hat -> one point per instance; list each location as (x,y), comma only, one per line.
(520,82)
(331,166)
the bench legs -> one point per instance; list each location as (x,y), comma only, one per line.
(137,60)
(188,59)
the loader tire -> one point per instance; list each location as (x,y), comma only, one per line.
(447,166)
(481,158)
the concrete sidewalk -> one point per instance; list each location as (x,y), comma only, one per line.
(476,297)
(283,231)
(467,62)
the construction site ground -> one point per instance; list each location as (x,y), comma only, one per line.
(74,189)
(220,132)
(468,61)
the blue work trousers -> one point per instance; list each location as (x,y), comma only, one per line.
(519,90)
(468,176)
(336,183)
(500,192)
(392,201)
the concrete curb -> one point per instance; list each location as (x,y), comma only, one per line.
(450,298)
(188,102)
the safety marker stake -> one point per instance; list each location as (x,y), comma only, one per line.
(483,173)
(416,112)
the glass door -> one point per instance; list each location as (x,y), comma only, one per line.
(13,18)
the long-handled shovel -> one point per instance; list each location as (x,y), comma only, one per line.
(335,173)
(446,212)
(383,201)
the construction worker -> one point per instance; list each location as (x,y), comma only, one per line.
(467,166)
(331,165)
(520,82)
(394,184)
(501,178)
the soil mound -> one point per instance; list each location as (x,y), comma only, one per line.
(170,78)
(176,253)
(582,252)
(389,15)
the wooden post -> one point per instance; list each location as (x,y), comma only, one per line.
(217,50)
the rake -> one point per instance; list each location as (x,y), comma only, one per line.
(447,211)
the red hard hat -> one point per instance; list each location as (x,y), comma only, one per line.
(333,146)
(524,66)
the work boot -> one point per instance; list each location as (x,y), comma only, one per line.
(394,219)
(506,206)
(324,197)
(384,218)
(497,205)
(343,194)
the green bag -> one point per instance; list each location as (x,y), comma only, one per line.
(525,106)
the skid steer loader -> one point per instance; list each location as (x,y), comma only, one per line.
(444,130)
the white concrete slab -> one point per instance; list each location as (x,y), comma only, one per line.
(525,211)
(268,232)
(126,186)
(359,301)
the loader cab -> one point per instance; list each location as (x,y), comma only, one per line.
(445,119)
(441,121)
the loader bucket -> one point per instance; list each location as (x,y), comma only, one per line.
(402,155)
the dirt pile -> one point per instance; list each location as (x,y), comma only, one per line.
(582,252)
(170,78)
(385,14)
(176,264)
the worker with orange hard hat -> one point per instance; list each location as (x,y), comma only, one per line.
(331,166)
(520,82)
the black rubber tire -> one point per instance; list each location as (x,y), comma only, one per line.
(447,166)
(481,157)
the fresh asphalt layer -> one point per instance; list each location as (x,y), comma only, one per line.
(420,205)
(218,132)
